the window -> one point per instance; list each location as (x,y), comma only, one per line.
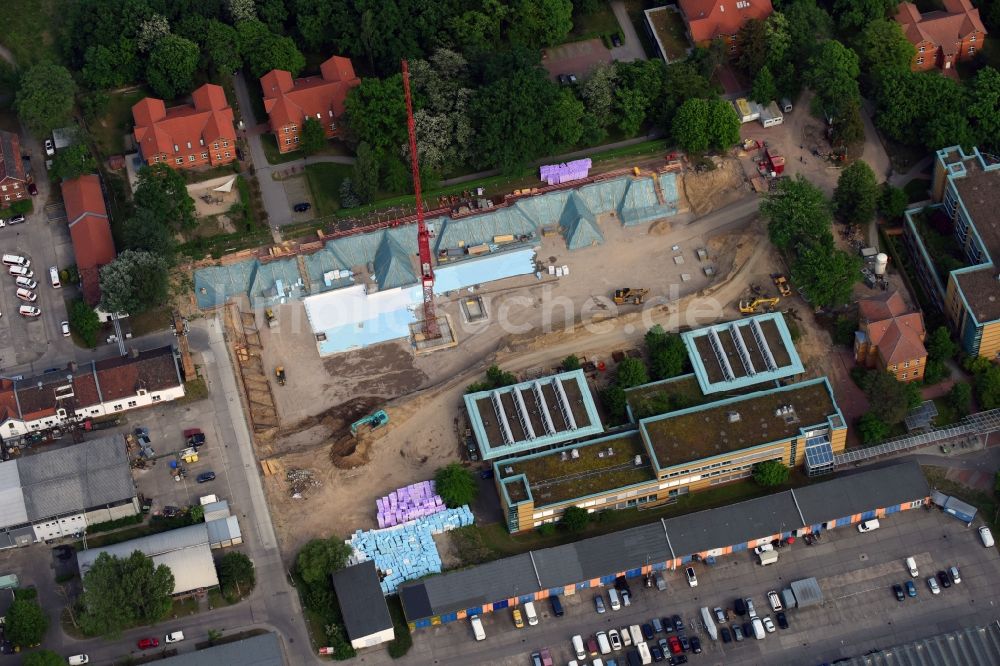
(3,187)
(190,158)
(201,142)
(16,186)
(156,398)
(225,144)
(903,376)
(972,49)
(906,364)
(179,160)
(227,154)
(204,156)
(189,144)
(921,49)
(296,139)
(131,403)
(118,408)
(286,130)
(217,156)
(331,110)
(920,61)
(288,141)
(215,146)
(972,39)
(6,197)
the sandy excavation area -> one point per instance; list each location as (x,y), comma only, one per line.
(532,324)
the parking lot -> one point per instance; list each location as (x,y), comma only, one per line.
(859,612)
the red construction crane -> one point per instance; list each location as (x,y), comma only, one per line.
(431,330)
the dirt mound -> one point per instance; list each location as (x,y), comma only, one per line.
(661,228)
(335,419)
(709,190)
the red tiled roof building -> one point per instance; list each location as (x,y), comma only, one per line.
(189,135)
(90,232)
(942,38)
(891,337)
(13,181)
(708,20)
(289,102)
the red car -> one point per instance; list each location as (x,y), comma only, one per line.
(147,643)
(675,644)
(32,189)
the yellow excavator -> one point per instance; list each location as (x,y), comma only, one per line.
(748,306)
(781,282)
(629,295)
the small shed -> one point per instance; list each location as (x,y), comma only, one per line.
(954,506)
(747,111)
(807,592)
(366,615)
(770,115)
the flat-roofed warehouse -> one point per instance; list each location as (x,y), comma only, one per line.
(533,414)
(665,544)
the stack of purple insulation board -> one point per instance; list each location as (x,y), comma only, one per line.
(409,503)
(553,174)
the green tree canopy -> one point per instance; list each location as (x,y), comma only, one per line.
(960,398)
(631,372)
(909,101)
(146,231)
(764,89)
(72,162)
(264,50)
(986,381)
(376,114)
(43,658)
(613,399)
(770,473)
(162,193)
(890,398)
(883,46)
(892,201)
(539,23)
(853,15)
(940,346)
(221,45)
(667,353)
(312,138)
(571,362)
(832,74)
(872,429)
(319,558)
(690,126)
(856,196)
(171,66)
(123,592)
(848,127)
(134,283)
(984,105)
(44,99)
(26,622)
(365,180)
(110,65)
(456,485)
(574,519)
(236,574)
(796,211)
(83,321)
(827,275)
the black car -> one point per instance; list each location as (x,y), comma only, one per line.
(206,476)
(944,578)
(898,589)
(685,643)
(695,644)
(196,440)
(656,653)
(782,620)
(740,607)
(668,625)
(647,631)
(563,79)
(301,207)
(621,584)
(678,623)
(616,41)
(726,636)
(678,659)
(748,629)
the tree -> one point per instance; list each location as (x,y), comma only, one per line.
(960,398)
(376,114)
(162,192)
(312,138)
(872,429)
(763,89)
(133,283)
(770,473)
(236,574)
(110,66)
(348,197)
(825,273)
(667,353)
(221,45)
(890,398)
(615,403)
(456,485)
(853,15)
(263,50)
(984,105)
(940,346)
(574,519)
(832,73)
(26,622)
(796,211)
(73,161)
(241,10)
(909,101)
(171,67)
(935,371)
(196,513)
(690,126)
(365,180)
(83,321)
(145,231)
(856,196)
(151,31)
(848,128)
(538,23)
(44,98)
(319,558)
(948,128)
(892,201)
(43,658)
(598,93)
(571,362)
(123,592)
(882,46)
(987,384)
(723,125)
(631,372)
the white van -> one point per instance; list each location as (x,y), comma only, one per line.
(477,628)
(602,643)
(530,614)
(986,536)
(17,260)
(644,654)
(758,629)
(911,564)
(616,603)
(54,276)
(869,525)
(78,659)
(21,271)
(581,654)
(636,633)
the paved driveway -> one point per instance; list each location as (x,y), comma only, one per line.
(631,49)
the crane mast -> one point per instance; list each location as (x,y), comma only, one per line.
(431,330)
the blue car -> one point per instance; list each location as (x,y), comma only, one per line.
(206,476)
(911,589)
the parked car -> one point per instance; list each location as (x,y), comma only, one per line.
(751,611)
(27,283)
(175,637)
(546,655)
(675,645)
(563,79)
(898,590)
(685,642)
(775,601)
(740,607)
(956,578)
(206,476)
(26,295)
(17,219)
(147,643)
(719,615)
(33,189)
(664,645)
(782,620)
(691,577)
(727,636)
(656,653)
(29,311)
(626,598)
(647,631)
(868,525)
(615,639)
(657,625)
(616,41)
(572,78)
(678,623)
(626,637)
(911,589)
(599,603)
(518,619)
(64,326)
(592,647)
(945,580)
(302,207)
(933,585)
(695,645)
(737,633)
(986,536)
(50,148)
(678,659)
(768,624)
(170,512)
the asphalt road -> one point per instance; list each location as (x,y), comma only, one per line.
(859,612)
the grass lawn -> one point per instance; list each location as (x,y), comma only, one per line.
(151,321)
(324,183)
(28,28)
(669,28)
(946,413)
(110,130)
(601,23)
(195,389)
(270,146)
(183,607)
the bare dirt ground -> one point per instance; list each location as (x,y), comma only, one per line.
(711,190)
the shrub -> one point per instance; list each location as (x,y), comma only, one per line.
(770,473)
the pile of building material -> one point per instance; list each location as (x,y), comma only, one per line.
(406,552)
(554,174)
(409,503)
